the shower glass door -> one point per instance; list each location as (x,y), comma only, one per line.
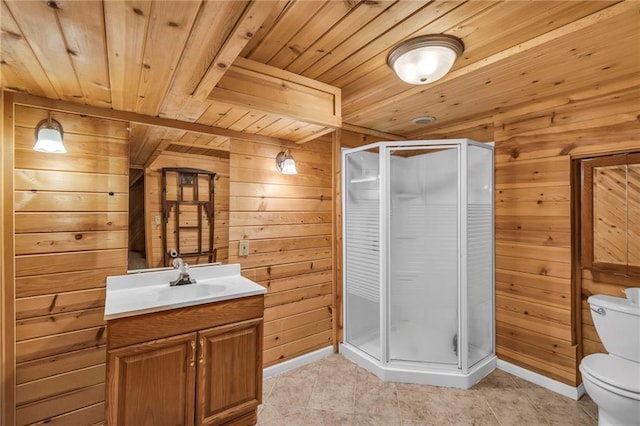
(480,252)
(361,233)
(423,254)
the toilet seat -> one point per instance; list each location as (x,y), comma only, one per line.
(616,374)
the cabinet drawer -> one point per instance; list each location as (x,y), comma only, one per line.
(156,325)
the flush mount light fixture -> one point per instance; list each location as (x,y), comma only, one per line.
(425,59)
(285,163)
(49,136)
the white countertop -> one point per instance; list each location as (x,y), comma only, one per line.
(145,292)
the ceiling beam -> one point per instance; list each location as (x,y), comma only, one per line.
(250,22)
(132,117)
(626,7)
(372,132)
(251,84)
(315,135)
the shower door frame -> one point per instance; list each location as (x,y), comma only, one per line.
(385,247)
(384,152)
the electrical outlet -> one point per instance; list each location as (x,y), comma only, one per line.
(157,219)
(243,248)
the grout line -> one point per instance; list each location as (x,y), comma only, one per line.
(313,388)
(491,409)
(355,387)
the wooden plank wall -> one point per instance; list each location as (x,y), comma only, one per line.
(70,233)
(153,200)
(288,222)
(538,315)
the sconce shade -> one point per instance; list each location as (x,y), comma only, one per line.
(425,59)
(49,137)
(286,164)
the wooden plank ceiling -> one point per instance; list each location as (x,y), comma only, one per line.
(165,58)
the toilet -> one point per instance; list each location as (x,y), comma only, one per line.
(613,380)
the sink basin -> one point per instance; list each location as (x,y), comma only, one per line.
(189,291)
(147,292)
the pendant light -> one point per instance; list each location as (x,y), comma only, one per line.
(425,59)
(49,136)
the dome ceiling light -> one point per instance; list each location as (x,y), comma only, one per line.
(425,59)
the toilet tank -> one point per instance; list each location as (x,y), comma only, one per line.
(617,322)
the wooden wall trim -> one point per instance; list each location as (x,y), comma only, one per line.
(336,245)
(576,272)
(7,290)
(372,132)
(133,117)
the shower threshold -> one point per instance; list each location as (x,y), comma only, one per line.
(421,373)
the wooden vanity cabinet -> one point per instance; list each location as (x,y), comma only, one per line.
(209,374)
(227,384)
(136,388)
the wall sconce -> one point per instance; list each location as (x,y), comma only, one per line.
(49,136)
(425,59)
(285,163)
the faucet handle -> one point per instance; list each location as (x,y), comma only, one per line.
(177,263)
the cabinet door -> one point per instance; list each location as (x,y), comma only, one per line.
(152,383)
(229,378)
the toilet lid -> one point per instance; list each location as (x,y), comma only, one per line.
(616,371)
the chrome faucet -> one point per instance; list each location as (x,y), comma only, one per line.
(183,277)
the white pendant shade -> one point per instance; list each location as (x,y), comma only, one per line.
(50,141)
(425,59)
(49,137)
(286,164)
(289,167)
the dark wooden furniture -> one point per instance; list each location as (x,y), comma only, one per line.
(188,214)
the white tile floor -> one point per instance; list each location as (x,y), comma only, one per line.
(334,391)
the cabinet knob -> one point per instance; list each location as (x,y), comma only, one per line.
(193,353)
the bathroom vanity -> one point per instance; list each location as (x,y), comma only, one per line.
(184,355)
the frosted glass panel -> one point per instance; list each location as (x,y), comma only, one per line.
(423,246)
(480,252)
(362,251)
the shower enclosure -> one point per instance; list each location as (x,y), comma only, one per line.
(418,260)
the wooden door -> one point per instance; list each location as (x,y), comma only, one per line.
(229,378)
(152,383)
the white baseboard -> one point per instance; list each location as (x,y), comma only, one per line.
(553,385)
(540,380)
(297,362)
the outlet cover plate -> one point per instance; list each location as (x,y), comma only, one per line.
(243,248)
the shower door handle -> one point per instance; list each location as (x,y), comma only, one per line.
(599,311)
